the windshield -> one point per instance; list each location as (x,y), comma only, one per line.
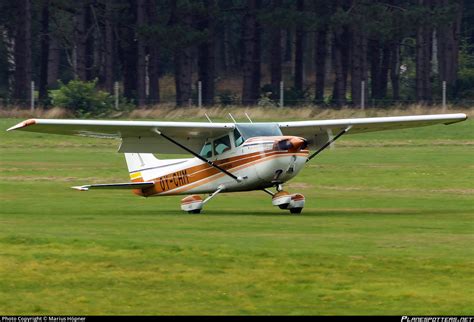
(251,130)
(238,139)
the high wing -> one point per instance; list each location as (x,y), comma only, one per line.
(319,132)
(136,136)
(144,137)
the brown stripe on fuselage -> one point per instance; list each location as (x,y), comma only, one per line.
(196,173)
(186,179)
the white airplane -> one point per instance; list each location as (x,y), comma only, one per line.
(228,157)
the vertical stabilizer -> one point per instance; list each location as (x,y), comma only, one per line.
(141,161)
(146,167)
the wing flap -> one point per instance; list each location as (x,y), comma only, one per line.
(128,185)
(158,144)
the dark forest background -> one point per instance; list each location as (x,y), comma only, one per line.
(240,51)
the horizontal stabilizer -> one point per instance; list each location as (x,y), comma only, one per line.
(134,185)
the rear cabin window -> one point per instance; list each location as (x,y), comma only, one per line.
(206,150)
(221,145)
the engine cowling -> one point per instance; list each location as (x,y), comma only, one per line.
(291,144)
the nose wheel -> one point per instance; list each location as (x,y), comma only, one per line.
(296,210)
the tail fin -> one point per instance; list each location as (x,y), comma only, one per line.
(141,161)
(145,166)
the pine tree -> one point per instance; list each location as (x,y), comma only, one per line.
(23,52)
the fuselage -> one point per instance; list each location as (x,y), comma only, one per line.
(260,161)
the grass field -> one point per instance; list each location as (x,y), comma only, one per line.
(388,228)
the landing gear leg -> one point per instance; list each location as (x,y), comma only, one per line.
(219,189)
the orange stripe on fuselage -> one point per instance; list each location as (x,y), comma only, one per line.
(195,173)
(189,178)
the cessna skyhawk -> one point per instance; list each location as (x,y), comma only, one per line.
(227,157)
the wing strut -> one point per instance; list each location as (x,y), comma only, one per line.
(212,164)
(329,142)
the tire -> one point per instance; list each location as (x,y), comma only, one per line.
(195,211)
(283,206)
(296,210)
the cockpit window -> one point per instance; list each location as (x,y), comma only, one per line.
(221,145)
(251,130)
(238,139)
(206,150)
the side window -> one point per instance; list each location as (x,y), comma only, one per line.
(221,145)
(238,138)
(206,150)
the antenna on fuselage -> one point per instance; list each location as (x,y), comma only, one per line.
(232,118)
(248,117)
(208,118)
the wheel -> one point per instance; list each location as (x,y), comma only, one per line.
(283,206)
(296,210)
(195,211)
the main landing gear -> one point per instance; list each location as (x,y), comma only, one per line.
(193,204)
(292,202)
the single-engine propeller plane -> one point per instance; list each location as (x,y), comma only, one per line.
(227,157)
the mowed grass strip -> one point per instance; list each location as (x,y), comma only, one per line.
(388,229)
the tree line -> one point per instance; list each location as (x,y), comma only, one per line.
(398,48)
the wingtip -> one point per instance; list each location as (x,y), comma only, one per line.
(460,118)
(22,124)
